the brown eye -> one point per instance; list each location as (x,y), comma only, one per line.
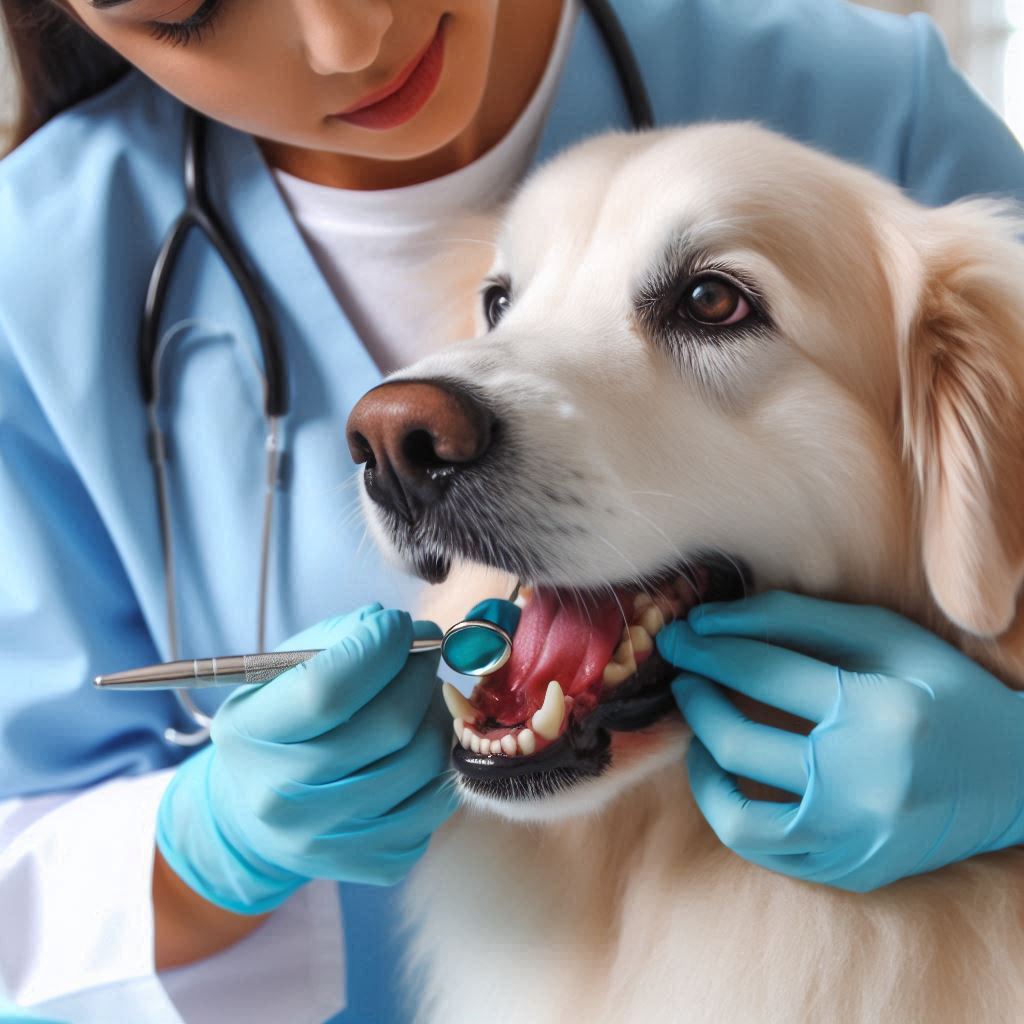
(715,301)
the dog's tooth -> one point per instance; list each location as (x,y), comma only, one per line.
(616,673)
(548,721)
(508,744)
(527,742)
(457,704)
(653,620)
(666,605)
(641,640)
(642,601)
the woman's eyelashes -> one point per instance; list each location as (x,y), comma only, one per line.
(192,29)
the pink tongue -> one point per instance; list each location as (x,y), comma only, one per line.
(561,636)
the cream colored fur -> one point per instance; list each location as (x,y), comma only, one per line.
(871,449)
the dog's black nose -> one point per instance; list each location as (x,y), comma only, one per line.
(414,436)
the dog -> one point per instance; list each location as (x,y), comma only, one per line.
(710,361)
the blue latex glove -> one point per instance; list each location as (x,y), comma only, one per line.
(916,758)
(335,769)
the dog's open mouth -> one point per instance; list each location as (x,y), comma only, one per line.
(584,664)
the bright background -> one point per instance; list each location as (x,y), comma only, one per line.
(986,38)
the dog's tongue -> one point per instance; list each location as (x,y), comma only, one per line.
(563,636)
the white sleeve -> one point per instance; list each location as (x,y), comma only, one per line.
(76,924)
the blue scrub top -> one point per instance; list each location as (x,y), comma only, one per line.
(84,206)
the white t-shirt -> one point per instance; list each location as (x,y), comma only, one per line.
(378,249)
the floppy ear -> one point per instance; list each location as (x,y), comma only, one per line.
(962,384)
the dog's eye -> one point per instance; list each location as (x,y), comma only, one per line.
(714,301)
(496,303)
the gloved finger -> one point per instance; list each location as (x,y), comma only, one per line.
(850,636)
(400,835)
(317,695)
(371,791)
(793,865)
(322,633)
(740,823)
(773,675)
(772,756)
(381,787)
(388,723)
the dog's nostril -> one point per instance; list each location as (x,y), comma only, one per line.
(362,451)
(420,450)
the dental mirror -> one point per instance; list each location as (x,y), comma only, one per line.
(481,642)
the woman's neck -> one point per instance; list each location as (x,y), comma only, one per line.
(523,40)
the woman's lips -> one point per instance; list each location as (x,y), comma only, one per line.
(406,96)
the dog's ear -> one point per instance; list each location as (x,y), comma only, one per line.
(962,386)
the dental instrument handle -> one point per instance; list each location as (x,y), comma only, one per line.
(230,670)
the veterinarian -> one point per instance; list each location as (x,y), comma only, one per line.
(336,199)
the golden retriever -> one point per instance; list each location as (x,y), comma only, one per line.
(710,361)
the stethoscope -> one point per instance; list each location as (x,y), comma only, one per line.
(199,213)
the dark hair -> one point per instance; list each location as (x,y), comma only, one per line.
(57,62)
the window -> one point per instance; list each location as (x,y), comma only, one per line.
(1013,67)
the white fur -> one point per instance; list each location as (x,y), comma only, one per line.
(800,452)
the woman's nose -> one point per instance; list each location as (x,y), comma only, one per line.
(343,36)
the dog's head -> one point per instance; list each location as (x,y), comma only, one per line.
(711,360)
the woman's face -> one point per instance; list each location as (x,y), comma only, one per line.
(285,70)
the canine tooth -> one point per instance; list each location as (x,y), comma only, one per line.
(548,721)
(641,640)
(508,744)
(653,620)
(527,742)
(457,704)
(615,673)
(642,601)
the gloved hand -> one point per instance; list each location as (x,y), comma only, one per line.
(916,758)
(335,769)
